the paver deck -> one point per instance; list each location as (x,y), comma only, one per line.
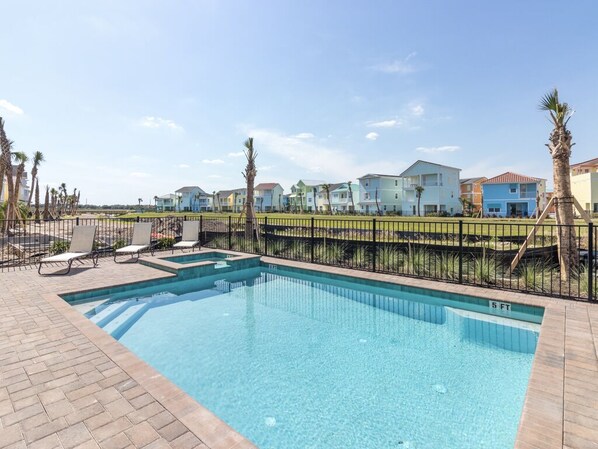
(65,383)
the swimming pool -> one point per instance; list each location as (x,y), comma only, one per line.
(211,256)
(296,360)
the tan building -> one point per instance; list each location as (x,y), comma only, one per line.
(584,184)
(471,190)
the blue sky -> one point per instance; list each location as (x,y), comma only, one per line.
(135,99)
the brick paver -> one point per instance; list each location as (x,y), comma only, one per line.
(65,383)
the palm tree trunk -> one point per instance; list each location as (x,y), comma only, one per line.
(567,242)
(46,205)
(33,184)
(37,202)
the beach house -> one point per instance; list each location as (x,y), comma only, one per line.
(513,195)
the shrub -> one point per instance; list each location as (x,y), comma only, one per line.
(59,247)
(447,266)
(418,261)
(484,269)
(277,247)
(165,242)
(389,258)
(536,276)
(120,243)
(361,257)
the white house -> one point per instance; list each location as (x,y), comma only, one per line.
(380,194)
(166,203)
(189,199)
(441,189)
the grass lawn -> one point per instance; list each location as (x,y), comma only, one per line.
(494,227)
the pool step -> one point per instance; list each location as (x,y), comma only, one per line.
(108,313)
(126,318)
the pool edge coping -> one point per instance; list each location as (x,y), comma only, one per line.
(541,423)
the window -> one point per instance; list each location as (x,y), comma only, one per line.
(430,180)
(396,196)
(595,207)
(513,188)
(394,208)
(367,196)
(468,187)
(385,207)
(367,184)
(493,208)
(396,183)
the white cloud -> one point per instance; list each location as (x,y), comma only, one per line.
(392,123)
(417,110)
(212,161)
(329,162)
(371,136)
(401,66)
(12,108)
(443,149)
(158,122)
(183,166)
(304,136)
(138,174)
(237,154)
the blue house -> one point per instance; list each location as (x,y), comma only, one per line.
(191,199)
(513,195)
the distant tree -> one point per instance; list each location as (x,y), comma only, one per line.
(47,205)
(559,145)
(418,193)
(326,188)
(38,158)
(37,202)
(351,197)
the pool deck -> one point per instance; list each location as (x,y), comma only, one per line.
(65,383)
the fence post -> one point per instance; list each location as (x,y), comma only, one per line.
(77,221)
(591,261)
(374,245)
(312,247)
(137,219)
(266,235)
(184,218)
(230,233)
(460,251)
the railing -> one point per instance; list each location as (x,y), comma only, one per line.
(476,253)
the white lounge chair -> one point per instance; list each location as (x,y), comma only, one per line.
(142,240)
(81,246)
(190,237)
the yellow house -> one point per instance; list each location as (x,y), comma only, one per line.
(584,184)
(231,200)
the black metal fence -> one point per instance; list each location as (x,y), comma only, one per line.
(477,253)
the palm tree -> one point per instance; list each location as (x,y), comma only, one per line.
(21,158)
(326,188)
(62,198)
(37,203)
(156,202)
(351,197)
(418,193)
(559,145)
(140,200)
(38,158)
(47,205)
(6,171)
(249,175)
(377,203)
(196,199)
(54,201)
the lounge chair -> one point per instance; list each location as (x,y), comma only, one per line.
(190,237)
(142,240)
(81,247)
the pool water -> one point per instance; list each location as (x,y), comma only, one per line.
(292,360)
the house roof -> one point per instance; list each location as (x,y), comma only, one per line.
(510,177)
(168,196)
(419,161)
(590,162)
(224,193)
(266,186)
(333,187)
(189,189)
(378,175)
(311,182)
(473,180)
